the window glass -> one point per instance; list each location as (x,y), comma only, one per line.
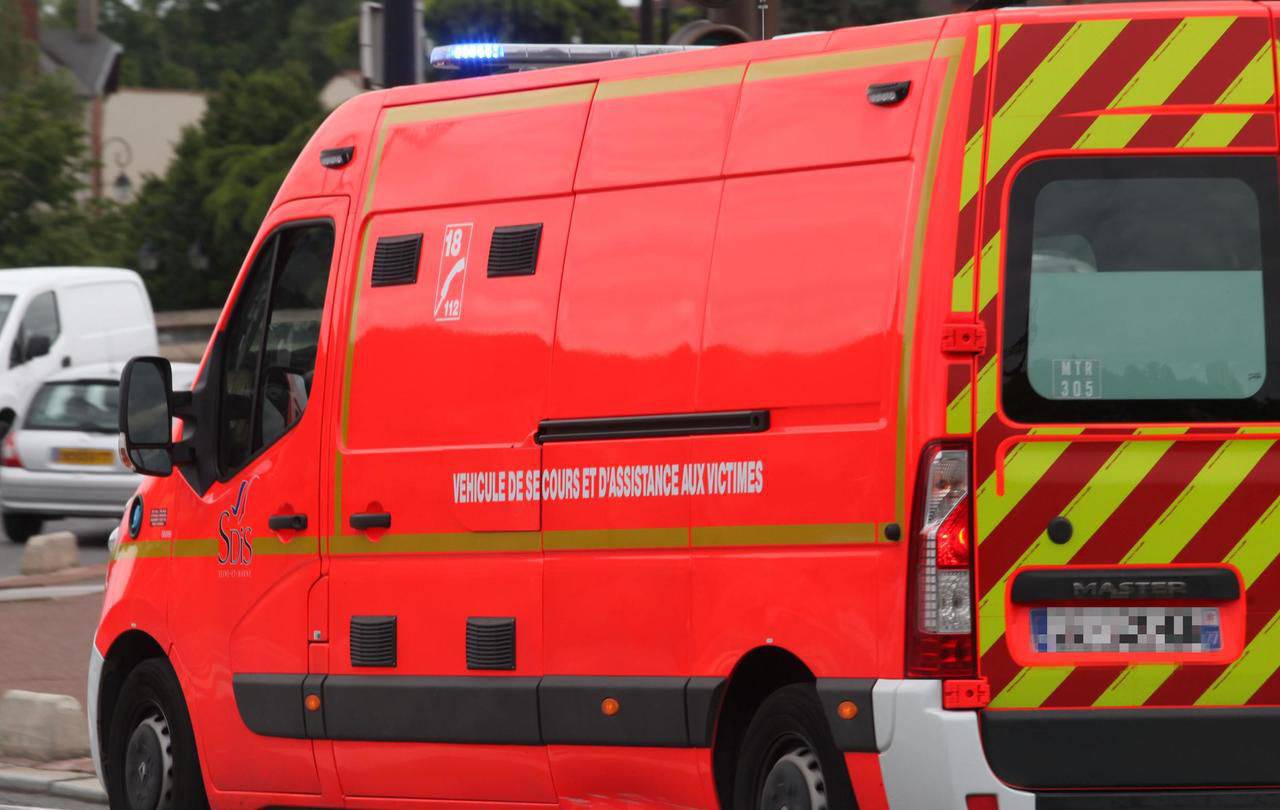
(1133,279)
(6,306)
(271,342)
(91,406)
(40,320)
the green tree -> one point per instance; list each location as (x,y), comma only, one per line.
(450,21)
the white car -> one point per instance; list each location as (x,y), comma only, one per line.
(61,459)
(52,318)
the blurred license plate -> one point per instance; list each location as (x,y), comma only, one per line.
(1130,629)
(80,455)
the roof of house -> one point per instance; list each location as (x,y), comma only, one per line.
(92,63)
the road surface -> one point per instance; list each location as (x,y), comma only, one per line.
(91,533)
(25,801)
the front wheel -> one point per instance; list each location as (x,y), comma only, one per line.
(788,760)
(151,761)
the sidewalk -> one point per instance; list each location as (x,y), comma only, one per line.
(72,779)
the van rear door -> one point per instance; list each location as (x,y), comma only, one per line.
(1126,408)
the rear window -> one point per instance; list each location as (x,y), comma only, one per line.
(91,406)
(1140,289)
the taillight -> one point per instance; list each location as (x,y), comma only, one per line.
(940,630)
(9,450)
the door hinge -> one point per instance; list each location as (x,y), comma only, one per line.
(965,338)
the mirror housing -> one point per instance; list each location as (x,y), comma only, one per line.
(146,415)
(36,346)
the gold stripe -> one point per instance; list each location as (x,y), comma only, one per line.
(816,534)
(488,105)
(790,67)
(581,540)
(144,550)
(946,48)
(196,547)
(272,545)
(671,83)
(439,543)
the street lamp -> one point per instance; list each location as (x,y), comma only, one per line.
(122,156)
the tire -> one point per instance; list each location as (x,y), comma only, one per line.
(22,527)
(788,760)
(152,762)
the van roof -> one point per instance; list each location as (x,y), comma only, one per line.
(19,279)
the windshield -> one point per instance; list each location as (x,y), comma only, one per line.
(90,405)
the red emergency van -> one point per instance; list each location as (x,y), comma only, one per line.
(877,418)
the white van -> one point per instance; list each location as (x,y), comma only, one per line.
(53,318)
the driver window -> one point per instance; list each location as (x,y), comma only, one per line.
(40,320)
(271,342)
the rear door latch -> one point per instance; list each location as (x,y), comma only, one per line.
(964,338)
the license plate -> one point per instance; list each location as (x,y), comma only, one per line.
(1130,629)
(83,456)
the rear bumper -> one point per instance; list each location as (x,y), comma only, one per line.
(931,757)
(65,493)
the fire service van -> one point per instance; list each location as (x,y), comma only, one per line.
(879,418)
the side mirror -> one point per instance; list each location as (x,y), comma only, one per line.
(146,415)
(36,346)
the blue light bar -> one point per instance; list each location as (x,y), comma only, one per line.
(506,56)
(474,52)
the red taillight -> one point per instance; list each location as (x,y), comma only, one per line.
(940,630)
(9,450)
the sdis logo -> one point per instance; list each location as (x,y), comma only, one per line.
(451,279)
(235,540)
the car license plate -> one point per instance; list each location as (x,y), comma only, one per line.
(1129,629)
(83,456)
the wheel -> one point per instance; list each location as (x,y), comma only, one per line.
(20,527)
(151,761)
(787,759)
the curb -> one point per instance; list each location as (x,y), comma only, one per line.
(68,784)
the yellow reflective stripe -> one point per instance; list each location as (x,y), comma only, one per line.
(1096,501)
(196,547)
(987,390)
(670,83)
(962,289)
(789,67)
(437,543)
(298,546)
(1135,685)
(816,534)
(581,540)
(141,550)
(1254,85)
(1197,502)
(1051,80)
(983,52)
(989,275)
(1031,687)
(1258,548)
(972,166)
(1025,464)
(1155,81)
(1249,672)
(1006,32)
(960,411)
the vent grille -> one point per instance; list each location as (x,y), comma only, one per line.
(514,250)
(373,641)
(395,260)
(491,643)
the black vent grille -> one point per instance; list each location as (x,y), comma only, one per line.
(373,641)
(491,643)
(395,260)
(514,250)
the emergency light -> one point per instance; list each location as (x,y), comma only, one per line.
(501,57)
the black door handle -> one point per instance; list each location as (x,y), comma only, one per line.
(371,520)
(284,523)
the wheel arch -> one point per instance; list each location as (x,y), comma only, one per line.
(758,673)
(127,651)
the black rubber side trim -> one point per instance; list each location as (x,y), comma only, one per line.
(858,734)
(1161,800)
(649,427)
(271,705)
(1121,584)
(479,710)
(1133,748)
(314,685)
(651,711)
(702,699)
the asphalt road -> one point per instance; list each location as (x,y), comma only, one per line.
(25,801)
(92,535)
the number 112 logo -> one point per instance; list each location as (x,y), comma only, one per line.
(451,279)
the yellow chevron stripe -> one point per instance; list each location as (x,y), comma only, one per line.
(960,412)
(1135,685)
(1249,672)
(1198,501)
(983,53)
(1254,85)
(1007,32)
(1051,80)
(987,389)
(962,289)
(989,277)
(1031,687)
(1155,81)
(1025,464)
(1123,470)
(972,167)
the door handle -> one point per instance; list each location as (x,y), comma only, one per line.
(371,520)
(284,523)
